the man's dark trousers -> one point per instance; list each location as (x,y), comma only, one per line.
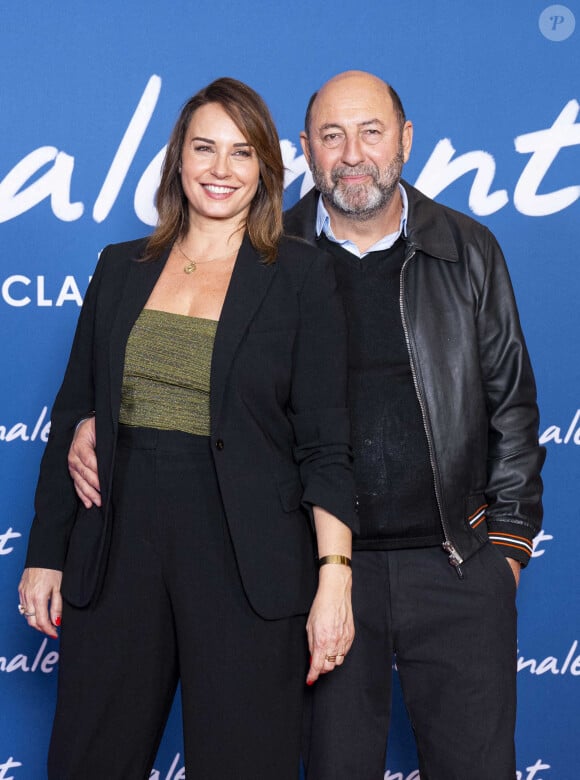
(454,640)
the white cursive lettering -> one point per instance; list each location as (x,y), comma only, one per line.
(21,663)
(571,664)
(127,150)
(544,146)
(26,185)
(20,430)
(554,433)
(440,171)
(156,774)
(5,538)
(55,183)
(10,764)
(537,541)
(532,771)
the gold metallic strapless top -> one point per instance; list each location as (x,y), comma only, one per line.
(166,382)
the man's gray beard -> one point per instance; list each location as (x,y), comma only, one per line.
(360,201)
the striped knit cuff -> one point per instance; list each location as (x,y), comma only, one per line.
(512,546)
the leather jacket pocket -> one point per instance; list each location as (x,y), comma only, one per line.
(475,514)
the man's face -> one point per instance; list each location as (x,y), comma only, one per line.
(355,146)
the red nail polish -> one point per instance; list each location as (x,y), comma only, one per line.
(57,621)
(309,682)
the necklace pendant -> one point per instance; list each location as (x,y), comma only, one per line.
(190,267)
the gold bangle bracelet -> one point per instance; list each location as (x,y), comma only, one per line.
(343,559)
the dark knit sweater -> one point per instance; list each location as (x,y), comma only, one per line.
(396,498)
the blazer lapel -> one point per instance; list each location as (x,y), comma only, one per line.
(248,285)
(139,283)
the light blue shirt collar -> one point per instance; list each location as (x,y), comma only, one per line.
(323,226)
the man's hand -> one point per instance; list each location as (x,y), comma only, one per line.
(516,568)
(82,464)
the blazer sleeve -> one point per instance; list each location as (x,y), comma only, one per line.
(56,502)
(318,400)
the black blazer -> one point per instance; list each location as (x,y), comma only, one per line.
(279,423)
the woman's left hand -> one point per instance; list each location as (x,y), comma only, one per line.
(330,625)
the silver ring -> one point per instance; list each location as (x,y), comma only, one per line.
(21,609)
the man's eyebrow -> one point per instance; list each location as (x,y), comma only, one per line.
(329,125)
(371,122)
(365,123)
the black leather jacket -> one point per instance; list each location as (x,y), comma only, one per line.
(472,375)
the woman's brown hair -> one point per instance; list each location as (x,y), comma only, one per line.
(252,117)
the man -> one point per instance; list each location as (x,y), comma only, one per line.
(447,460)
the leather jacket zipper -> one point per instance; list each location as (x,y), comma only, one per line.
(455,558)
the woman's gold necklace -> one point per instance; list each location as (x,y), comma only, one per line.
(191,265)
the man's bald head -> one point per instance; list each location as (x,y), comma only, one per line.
(355,82)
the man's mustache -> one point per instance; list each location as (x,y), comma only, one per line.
(358,170)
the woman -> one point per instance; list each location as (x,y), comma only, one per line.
(212,355)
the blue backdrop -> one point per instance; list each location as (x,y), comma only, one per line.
(88,95)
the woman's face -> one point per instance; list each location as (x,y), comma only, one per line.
(219,168)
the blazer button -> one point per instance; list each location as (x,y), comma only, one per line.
(219,445)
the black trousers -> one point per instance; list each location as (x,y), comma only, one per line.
(173,608)
(455,646)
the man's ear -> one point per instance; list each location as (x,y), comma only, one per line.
(305,147)
(407,139)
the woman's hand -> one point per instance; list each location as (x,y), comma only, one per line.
(40,599)
(82,464)
(330,625)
